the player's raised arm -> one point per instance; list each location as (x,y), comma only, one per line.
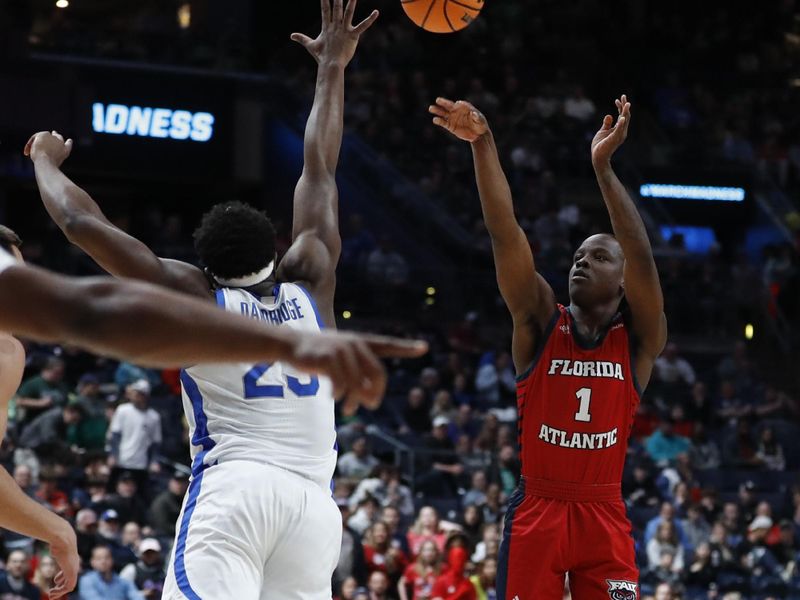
(316,245)
(529,297)
(154,326)
(85,225)
(642,286)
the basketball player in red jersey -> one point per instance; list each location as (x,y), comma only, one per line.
(581,372)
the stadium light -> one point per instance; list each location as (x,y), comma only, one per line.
(62,3)
(347,314)
(749,331)
(431,291)
(185,16)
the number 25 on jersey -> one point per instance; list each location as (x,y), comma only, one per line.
(252,389)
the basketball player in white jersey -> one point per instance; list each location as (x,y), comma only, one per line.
(258,520)
(154,326)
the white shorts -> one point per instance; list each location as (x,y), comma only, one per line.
(250,531)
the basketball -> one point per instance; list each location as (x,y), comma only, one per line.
(442,16)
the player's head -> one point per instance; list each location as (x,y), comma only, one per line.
(596,274)
(10,242)
(236,243)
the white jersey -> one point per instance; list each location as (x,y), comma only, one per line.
(263,413)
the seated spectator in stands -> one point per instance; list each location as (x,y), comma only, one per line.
(494,508)
(699,408)
(86,532)
(135,435)
(41,392)
(681,426)
(443,406)
(639,488)
(463,423)
(645,421)
(577,106)
(740,449)
(487,437)
(484,580)
(126,500)
(131,536)
(358,462)
(476,495)
(663,571)
(426,527)
(756,555)
(696,529)
(380,554)
(770,452)
(461,392)
(664,445)
(386,268)
(672,369)
(666,513)
(418,579)
(48,493)
(385,486)
(45,575)
(495,381)
(776,403)
(49,434)
(489,544)
(93,427)
(166,507)
(14,582)
(351,557)
(148,573)
(737,368)
(441,468)
(507,469)
(471,524)
(391,516)
(453,583)
(723,556)
(704,453)
(365,514)
(701,572)
(378,586)
(111,538)
(101,583)
(731,519)
(347,589)
(731,407)
(784,547)
(23,476)
(664,591)
(665,540)
(416,413)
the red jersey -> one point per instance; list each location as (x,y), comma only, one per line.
(576,406)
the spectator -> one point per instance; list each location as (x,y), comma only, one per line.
(639,488)
(347,590)
(426,528)
(41,392)
(49,433)
(770,452)
(418,579)
(740,449)
(664,446)
(696,529)
(366,514)
(131,536)
(378,585)
(126,500)
(476,495)
(704,452)
(86,532)
(358,462)
(758,558)
(722,555)
(664,591)
(663,572)
(666,513)
(489,544)
(472,524)
(485,579)
(416,413)
(493,508)
(701,573)
(23,476)
(391,516)
(136,434)
(699,409)
(577,106)
(380,554)
(49,494)
(495,382)
(101,583)
(351,557)
(453,584)
(94,426)
(13,582)
(730,406)
(111,539)
(672,369)
(508,469)
(665,540)
(45,575)
(148,573)
(784,546)
(386,268)
(166,508)
(444,468)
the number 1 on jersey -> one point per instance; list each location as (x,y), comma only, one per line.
(585,397)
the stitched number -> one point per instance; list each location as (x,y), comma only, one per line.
(252,389)
(585,397)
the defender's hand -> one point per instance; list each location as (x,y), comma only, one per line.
(48,144)
(459,118)
(337,42)
(351,361)
(609,138)
(64,550)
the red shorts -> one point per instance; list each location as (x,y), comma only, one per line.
(553,529)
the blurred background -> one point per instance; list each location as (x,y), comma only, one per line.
(713,159)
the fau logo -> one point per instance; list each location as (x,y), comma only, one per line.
(621,590)
(564,329)
(152,122)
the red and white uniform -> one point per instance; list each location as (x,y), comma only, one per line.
(576,406)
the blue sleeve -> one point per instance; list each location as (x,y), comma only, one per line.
(87,589)
(131,593)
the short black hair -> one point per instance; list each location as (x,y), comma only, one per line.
(9,238)
(234,239)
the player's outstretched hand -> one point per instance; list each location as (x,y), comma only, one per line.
(65,553)
(460,118)
(351,361)
(48,144)
(611,135)
(336,44)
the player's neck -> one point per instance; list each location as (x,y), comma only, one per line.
(592,321)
